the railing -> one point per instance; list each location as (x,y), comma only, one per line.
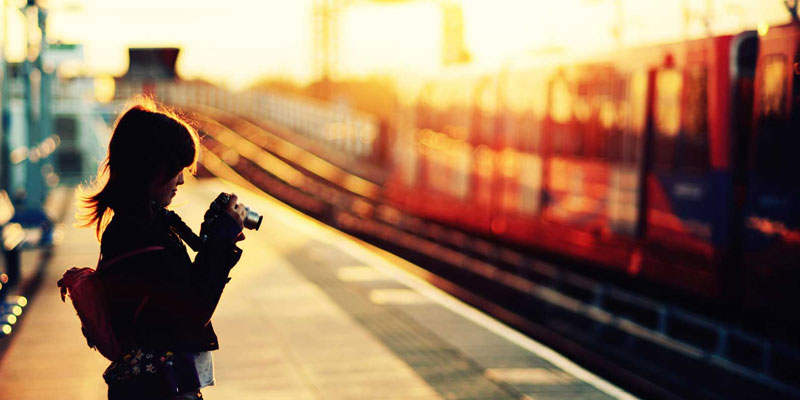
(333,125)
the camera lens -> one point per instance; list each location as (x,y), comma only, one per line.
(252,220)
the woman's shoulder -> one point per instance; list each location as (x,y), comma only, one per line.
(126,233)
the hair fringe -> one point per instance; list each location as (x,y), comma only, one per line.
(93,208)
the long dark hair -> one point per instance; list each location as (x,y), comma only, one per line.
(149,142)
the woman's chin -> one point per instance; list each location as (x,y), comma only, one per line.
(168,199)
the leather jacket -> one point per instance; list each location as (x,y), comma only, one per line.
(161,299)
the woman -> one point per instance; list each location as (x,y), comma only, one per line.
(159,300)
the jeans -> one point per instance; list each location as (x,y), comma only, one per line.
(117,393)
(188,396)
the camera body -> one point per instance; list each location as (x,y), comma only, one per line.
(252,219)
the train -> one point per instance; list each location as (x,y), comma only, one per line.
(671,164)
(675,163)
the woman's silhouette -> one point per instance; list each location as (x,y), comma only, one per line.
(159,300)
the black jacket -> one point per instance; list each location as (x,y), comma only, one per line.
(162,299)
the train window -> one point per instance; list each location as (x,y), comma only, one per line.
(772,87)
(533,126)
(564,135)
(668,89)
(634,117)
(667,117)
(67,129)
(692,147)
(527,118)
(608,102)
(694,121)
(593,93)
(681,120)
(608,114)
(561,101)
(582,106)
(776,138)
(485,109)
(607,127)
(637,96)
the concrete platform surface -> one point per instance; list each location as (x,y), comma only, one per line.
(309,314)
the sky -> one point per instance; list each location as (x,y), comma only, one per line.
(244,40)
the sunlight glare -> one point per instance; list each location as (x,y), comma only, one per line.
(763,28)
(104,88)
(245,41)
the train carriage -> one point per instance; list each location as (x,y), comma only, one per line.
(689,172)
(442,154)
(771,217)
(627,161)
(584,116)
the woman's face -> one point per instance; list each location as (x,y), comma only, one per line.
(163,192)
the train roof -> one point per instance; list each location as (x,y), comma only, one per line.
(631,57)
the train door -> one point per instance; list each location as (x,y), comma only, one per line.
(626,155)
(772,209)
(744,52)
(682,199)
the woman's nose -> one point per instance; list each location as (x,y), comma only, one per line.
(180,178)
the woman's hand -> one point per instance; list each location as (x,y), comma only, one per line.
(238,211)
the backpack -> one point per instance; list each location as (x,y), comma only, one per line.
(86,292)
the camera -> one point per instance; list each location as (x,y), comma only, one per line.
(252,219)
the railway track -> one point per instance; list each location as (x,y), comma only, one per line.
(653,348)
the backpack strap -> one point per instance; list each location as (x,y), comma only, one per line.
(131,254)
(140,307)
(73,274)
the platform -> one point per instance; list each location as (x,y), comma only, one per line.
(309,314)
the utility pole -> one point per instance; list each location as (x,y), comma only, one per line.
(453,49)
(38,91)
(326,38)
(5,118)
(791,6)
(619,25)
(689,15)
(46,68)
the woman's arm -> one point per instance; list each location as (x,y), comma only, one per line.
(180,296)
(173,292)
